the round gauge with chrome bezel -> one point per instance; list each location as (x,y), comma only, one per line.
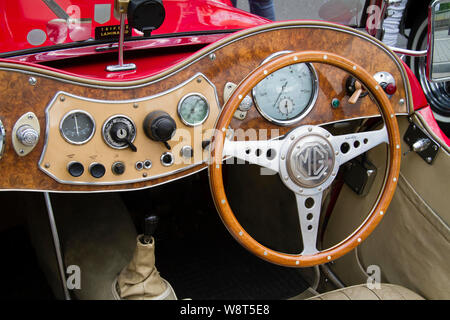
(288,94)
(77,127)
(193,109)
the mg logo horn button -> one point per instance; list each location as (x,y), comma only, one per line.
(310,161)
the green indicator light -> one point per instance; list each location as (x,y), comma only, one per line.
(335,103)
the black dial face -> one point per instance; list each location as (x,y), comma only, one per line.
(77,127)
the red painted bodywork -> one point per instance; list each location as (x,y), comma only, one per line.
(182,17)
(146,65)
(428,116)
(419,99)
(19,17)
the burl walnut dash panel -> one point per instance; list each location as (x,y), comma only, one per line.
(235,57)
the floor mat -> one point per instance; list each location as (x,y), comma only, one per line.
(225,270)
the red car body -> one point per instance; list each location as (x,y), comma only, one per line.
(209,21)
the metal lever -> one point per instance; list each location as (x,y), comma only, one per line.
(356,94)
(150,224)
(121,66)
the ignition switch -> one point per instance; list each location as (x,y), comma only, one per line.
(119,132)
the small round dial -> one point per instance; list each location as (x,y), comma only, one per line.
(77,127)
(193,109)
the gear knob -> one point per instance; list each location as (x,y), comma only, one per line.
(150,224)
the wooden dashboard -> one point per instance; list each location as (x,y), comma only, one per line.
(49,95)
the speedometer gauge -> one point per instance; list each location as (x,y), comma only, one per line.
(288,94)
(193,109)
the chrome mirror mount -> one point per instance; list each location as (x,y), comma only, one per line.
(438,57)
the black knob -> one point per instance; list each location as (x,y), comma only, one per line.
(97,170)
(150,224)
(159,126)
(118,168)
(75,169)
(146,15)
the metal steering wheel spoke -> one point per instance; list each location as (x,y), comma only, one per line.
(264,153)
(309,207)
(349,146)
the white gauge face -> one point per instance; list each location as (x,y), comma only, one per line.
(287,94)
(77,127)
(193,109)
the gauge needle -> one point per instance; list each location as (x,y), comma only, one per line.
(76,125)
(281,92)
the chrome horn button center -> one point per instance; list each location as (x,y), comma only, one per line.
(310,160)
(307,161)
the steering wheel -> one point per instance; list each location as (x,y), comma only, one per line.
(307,160)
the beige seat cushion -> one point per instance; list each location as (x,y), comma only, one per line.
(362,292)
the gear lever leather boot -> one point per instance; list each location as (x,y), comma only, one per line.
(140,280)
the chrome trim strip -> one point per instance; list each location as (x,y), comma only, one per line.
(56,243)
(411,53)
(2,139)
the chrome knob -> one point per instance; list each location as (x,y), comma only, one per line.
(421,145)
(27,135)
(2,139)
(187,152)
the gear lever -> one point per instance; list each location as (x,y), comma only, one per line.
(150,224)
(140,280)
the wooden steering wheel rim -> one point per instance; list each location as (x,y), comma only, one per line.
(215,165)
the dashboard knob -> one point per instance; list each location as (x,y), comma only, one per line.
(187,152)
(389,88)
(27,135)
(97,170)
(146,15)
(159,126)
(75,169)
(118,168)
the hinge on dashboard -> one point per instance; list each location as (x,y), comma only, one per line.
(419,142)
